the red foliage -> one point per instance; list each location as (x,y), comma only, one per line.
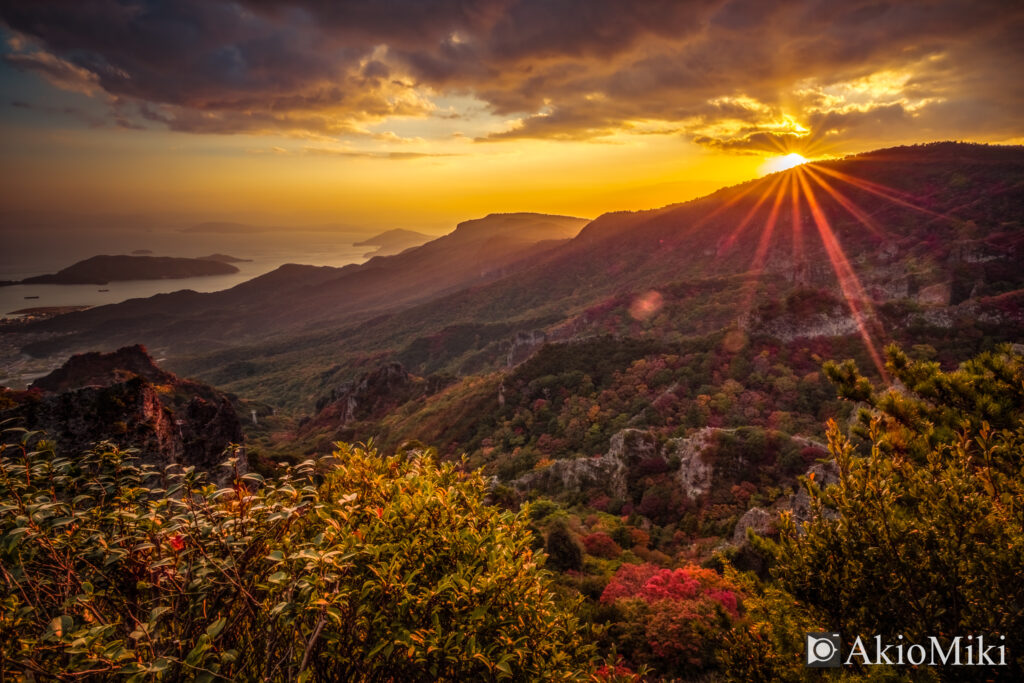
(600,544)
(684,611)
(639,537)
(177,542)
(653,584)
(628,582)
(617,672)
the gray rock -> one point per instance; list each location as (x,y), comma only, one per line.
(695,473)
(760,520)
(825,474)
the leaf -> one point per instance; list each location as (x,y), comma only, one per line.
(61,625)
(214,629)
(196,655)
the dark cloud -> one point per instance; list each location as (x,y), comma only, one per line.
(727,72)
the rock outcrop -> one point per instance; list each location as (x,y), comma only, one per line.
(760,520)
(371,396)
(823,474)
(695,471)
(104,369)
(627,449)
(523,346)
(125,398)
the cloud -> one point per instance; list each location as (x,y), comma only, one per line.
(736,75)
(59,72)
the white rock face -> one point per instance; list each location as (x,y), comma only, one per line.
(936,295)
(836,323)
(628,447)
(694,475)
(523,346)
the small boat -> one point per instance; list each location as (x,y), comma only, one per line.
(103,290)
(31,297)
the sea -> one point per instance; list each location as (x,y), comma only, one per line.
(25,254)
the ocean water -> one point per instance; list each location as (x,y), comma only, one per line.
(25,254)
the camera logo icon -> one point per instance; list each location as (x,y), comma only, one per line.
(823,650)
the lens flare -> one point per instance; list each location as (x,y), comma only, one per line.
(646,305)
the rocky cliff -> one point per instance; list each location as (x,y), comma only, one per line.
(125,398)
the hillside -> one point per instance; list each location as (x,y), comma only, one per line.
(100,270)
(294,297)
(934,253)
(923,238)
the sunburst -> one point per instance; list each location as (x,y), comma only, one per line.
(798,181)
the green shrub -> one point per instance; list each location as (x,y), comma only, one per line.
(355,567)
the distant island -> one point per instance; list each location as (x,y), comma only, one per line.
(393,242)
(100,270)
(224,258)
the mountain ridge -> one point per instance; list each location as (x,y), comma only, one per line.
(572,287)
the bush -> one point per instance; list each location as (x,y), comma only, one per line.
(355,567)
(600,544)
(672,618)
(922,536)
(564,552)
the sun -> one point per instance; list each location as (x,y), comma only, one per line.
(783,163)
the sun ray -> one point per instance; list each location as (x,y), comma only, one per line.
(732,201)
(798,226)
(760,254)
(849,284)
(734,235)
(855,211)
(881,191)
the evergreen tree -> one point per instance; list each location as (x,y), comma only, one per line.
(922,536)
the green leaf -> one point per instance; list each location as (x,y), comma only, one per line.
(216,627)
(196,655)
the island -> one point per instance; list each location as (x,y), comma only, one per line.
(393,242)
(224,258)
(101,270)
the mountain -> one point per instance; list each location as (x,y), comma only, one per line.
(293,298)
(894,240)
(393,242)
(100,270)
(926,237)
(223,227)
(125,398)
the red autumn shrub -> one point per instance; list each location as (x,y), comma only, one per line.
(600,544)
(628,582)
(681,613)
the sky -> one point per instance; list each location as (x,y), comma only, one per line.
(422,113)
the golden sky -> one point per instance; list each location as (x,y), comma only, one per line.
(418,113)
